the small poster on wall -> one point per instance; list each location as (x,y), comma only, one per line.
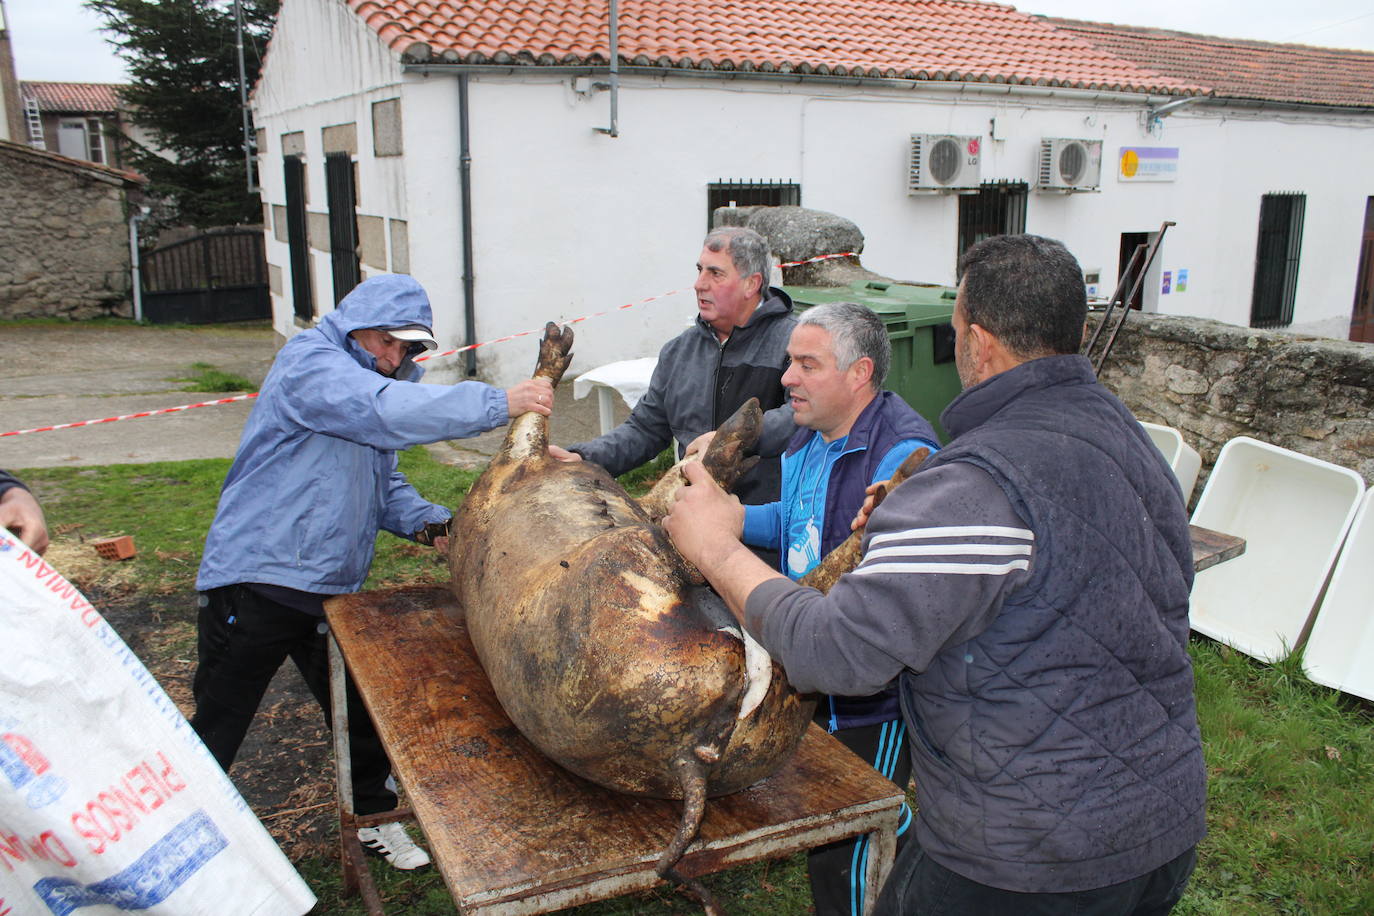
(1182,284)
(1164,284)
(1147,163)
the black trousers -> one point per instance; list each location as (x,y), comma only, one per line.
(838,870)
(919,886)
(242,639)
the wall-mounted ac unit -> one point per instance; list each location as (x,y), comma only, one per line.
(943,162)
(1070,165)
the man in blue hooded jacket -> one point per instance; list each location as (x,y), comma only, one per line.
(315,478)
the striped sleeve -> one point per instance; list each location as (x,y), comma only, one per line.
(943,552)
(957,550)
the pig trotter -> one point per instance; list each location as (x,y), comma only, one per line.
(555,353)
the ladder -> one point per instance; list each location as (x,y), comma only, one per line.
(1131,279)
(35,123)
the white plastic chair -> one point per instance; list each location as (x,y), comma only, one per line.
(1340,651)
(1183,458)
(1293,512)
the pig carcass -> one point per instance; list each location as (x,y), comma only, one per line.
(606,649)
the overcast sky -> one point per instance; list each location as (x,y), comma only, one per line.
(60,40)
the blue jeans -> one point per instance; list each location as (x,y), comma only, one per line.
(919,886)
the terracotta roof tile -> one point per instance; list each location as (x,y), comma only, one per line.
(72,98)
(1238,68)
(909,39)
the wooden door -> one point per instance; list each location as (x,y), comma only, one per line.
(1362,317)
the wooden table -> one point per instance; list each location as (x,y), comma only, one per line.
(1212,547)
(510,831)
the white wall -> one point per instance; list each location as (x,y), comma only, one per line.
(324,67)
(568,221)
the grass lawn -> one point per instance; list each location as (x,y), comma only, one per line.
(1291,802)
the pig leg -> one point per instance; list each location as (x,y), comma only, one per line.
(847,555)
(528,436)
(725,458)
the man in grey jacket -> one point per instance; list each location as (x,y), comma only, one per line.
(1029,586)
(736,349)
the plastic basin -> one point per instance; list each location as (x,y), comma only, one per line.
(1340,651)
(1183,459)
(1293,512)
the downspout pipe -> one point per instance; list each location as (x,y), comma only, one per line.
(465,186)
(135,269)
(614,41)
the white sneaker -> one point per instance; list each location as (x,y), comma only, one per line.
(391,842)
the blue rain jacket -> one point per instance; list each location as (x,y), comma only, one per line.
(315,475)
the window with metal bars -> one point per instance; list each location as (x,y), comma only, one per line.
(999,208)
(1276,259)
(750,194)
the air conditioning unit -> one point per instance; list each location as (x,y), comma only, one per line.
(1070,165)
(943,162)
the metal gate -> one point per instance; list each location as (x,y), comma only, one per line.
(220,275)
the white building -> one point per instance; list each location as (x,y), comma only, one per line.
(582,190)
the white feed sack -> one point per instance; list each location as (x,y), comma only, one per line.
(108,800)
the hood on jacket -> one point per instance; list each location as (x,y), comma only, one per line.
(773,302)
(388,301)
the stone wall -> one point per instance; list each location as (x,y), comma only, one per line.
(64,237)
(1213,381)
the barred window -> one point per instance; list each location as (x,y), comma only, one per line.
(999,208)
(736,193)
(1276,259)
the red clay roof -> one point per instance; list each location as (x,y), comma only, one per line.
(1237,68)
(947,40)
(56,160)
(70,98)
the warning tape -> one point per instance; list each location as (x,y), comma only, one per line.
(128,416)
(418,359)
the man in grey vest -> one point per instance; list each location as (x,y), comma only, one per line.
(1029,587)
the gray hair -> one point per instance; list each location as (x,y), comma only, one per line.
(855,332)
(747,249)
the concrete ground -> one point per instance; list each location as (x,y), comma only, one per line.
(51,375)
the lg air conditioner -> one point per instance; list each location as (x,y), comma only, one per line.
(1070,165)
(944,162)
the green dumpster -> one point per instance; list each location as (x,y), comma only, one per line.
(917,319)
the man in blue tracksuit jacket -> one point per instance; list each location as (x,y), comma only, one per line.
(315,478)
(1029,586)
(852,434)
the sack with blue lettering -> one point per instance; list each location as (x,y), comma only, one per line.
(108,800)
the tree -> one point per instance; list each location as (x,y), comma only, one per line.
(183,60)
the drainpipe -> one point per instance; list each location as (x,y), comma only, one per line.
(248,159)
(614,129)
(136,274)
(465,184)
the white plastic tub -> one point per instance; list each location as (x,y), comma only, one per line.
(1183,458)
(1293,512)
(1340,652)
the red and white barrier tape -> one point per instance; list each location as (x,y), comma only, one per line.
(128,416)
(427,356)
